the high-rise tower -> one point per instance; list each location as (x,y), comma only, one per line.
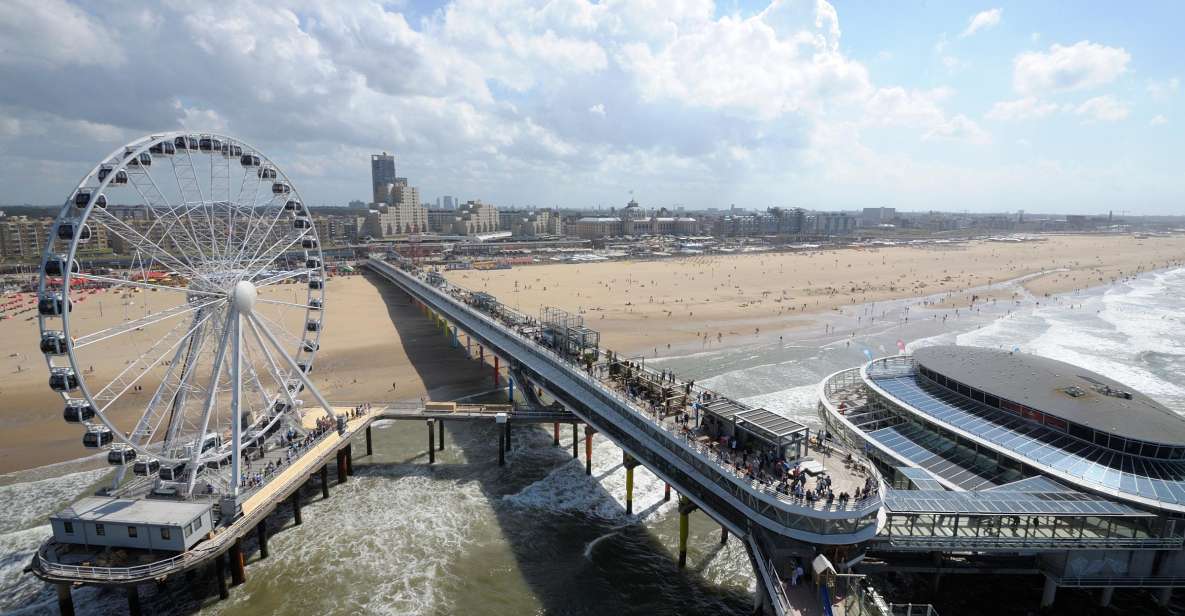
(382,176)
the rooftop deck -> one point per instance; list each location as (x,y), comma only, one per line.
(1159,483)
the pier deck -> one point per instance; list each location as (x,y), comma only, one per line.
(58,563)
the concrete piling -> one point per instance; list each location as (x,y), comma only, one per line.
(369,445)
(65,600)
(325,480)
(261,535)
(495,371)
(350,459)
(503,437)
(341,466)
(134,601)
(667,495)
(431,441)
(555,441)
(296,519)
(238,568)
(684,524)
(575,441)
(588,434)
(723,535)
(220,577)
(440,433)
(629,463)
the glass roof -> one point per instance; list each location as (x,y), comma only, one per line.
(935,454)
(1006,502)
(1156,480)
(921,478)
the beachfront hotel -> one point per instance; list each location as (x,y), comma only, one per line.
(996,455)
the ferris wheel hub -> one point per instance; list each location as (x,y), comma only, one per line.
(243,297)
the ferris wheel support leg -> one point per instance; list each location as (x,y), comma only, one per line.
(292,364)
(236,399)
(211,396)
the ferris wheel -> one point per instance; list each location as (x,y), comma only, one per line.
(181,298)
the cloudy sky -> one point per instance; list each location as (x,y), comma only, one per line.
(1043,106)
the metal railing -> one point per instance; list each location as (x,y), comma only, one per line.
(912,609)
(687,447)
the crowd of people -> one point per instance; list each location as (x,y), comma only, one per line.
(294,443)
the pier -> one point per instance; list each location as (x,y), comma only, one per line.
(775,525)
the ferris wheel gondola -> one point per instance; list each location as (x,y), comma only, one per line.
(217,282)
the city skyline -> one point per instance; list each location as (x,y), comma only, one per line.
(977,107)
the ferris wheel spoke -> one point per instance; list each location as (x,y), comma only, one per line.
(123,282)
(250,242)
(121,380)
(142,244)
(265,236)
(280,377)
(191,193)
(139,175)
(295,340)
(277,278)
(149,421)
(268,257)
(187,383)
(292,364)
(283,303)
(142,322)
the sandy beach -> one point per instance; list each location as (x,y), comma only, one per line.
(714,300)
(368,324)
(636,305)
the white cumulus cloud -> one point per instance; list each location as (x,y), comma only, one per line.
(1158,121)
(959,128)
(1080,66)
(982,21)
(1104,108)
(1028,108)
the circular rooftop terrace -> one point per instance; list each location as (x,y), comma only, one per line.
(1057,388)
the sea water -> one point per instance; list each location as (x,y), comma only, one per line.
(541,536)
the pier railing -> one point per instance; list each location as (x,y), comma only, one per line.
(687,452)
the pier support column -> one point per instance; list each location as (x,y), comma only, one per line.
(503,437)
(350,459)
(261,535)
(666,496)
(468,346)
(1049,594)
(325,480)
(723,534)
(588,434)
(296,519)
(440,433)
(481,353)
(431,441)
(369,444)
(1108,593)
(629,463)
(684,524)
(1163,596)
(134,601)
(65,600)
(575,441)
(220,577)
(629,490)
(341,466)
(555,441)
(495,371)
(238,568)
(685,509)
